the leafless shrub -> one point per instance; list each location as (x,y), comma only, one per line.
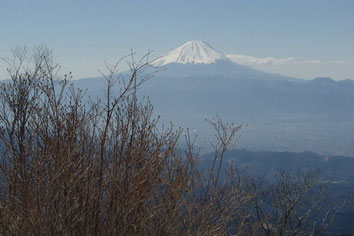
(100,168)
(295,204)
(106,168)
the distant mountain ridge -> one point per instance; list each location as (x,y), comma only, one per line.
(266,163)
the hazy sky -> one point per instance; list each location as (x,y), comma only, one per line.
(301,38)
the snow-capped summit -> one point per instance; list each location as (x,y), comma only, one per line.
(197,58)
(192,52)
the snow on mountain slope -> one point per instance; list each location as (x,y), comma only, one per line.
(192,52)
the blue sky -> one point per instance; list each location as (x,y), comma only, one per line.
(317,34)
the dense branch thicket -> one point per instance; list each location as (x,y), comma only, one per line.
(106,168)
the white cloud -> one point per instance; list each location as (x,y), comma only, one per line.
(270,61)
(249,60)
(315,61)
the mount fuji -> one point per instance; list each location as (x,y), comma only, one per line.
(283,114)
